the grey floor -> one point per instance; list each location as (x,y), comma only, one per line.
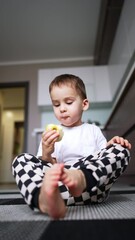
(18,221)
(118,206)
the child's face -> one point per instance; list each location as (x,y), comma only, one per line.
(68,105)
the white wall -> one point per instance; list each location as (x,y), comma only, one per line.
(96,80)
(124,45)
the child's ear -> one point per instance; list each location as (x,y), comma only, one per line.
(85,104)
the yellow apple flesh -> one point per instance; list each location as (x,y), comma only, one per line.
(57,128)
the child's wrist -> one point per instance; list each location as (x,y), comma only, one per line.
(48,159)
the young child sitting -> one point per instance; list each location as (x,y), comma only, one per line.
(79,169)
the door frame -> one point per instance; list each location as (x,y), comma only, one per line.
(25,85)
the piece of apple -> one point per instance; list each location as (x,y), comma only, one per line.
(58,128)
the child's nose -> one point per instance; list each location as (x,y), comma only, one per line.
(62,108)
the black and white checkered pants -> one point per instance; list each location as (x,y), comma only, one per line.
(101,171)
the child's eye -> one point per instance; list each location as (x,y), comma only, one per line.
(56,105)
(69,103)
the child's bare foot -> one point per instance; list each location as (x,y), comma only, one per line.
(75,181)
(50,200)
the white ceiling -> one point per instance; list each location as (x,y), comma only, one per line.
(48,30)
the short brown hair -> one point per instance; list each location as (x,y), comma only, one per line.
(66,79)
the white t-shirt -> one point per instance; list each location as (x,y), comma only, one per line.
(77,143)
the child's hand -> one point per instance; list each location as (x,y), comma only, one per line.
(58,129)
(48,140)
(121,141)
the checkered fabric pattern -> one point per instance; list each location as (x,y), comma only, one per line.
(105,166)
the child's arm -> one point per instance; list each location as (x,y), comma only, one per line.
(120,140)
